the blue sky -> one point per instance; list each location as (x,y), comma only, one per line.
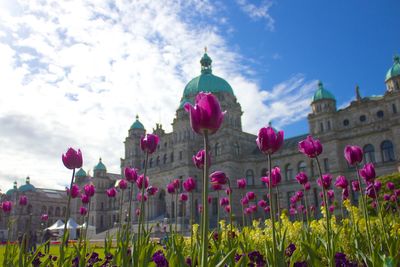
(76,73)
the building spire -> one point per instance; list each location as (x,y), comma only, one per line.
(205,62)
(358,95)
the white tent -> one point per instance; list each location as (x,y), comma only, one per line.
(56,226)
(91,230)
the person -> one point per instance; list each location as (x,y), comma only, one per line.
(46,239)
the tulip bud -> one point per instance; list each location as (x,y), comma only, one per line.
(72,159)
(224,201)
(241,183)
(199,159)
(89,189)
(149,143)
(123,184)
(131,175)
(171,188)
(250,195)
(355,185)
(23,200)
(151,190)
(218,177)
(44,217)
(390,186)
(310,147)
(139,181)
(83,211)
(262,203)
(189,185)
(353,154)
(6,206)
(85,199)
(268,141)
(325,181)
(112,192)
(302,178)
(368,172)
(341,182)
(139,197)
(183,197)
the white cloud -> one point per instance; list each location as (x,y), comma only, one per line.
(258,12)
(75,73)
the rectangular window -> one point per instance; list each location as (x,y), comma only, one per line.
(172,157)
(321,127)
(329,125)
(394,108)
(326,165)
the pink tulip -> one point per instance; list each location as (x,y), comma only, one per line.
(224,201)
(149,143)
(267,209)
(206,115)
(292,211)
(353,154)
(189,185)
(355,185)
(393,198)
(218,177)
(307,186)
(151,190)
(89,189)
(74,191)
(325,181)
(137,211)
(44,217)
(371,191)
(330,194)
(123,184)
(310,147)
(302,178)
(253,208)
(183,197)
(131,175)
(276,177)
(23,200)
(293,199)
(368,172)
(390,186)
(341,182)
(139,181)
(85,199)
(244,201)
(6,206)
(268,141)
(112,192)
(139,197)
(345,193)
(247,211)
(216,187)
(83,211)
(262,203)
(171,188)
(373,204)
(241,183)
(198,159)
(72,159)
(299,194)
(331,208)
(228,191)
(227,208)
(250,195)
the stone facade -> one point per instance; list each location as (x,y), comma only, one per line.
(372,123)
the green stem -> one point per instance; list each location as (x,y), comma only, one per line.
(141,215)
(205,222)
(271,203)
(381,220)
(217,210)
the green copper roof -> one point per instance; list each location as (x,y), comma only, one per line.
(206,82)
(81,173)
(322,93)
(12,190)
(27,187)
(137,124)
(100,166)
(394,70)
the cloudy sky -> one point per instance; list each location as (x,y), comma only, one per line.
(75,73)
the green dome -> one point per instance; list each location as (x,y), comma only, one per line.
(322,93)
(12,190)
(80,174)
(206,82)
(394,70)
(100,166)
(137,124)
(27,186)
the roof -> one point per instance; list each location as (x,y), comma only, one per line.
(100,166)
(205,82)
(395,69)
(137,124)
(80,174)
(27,186)
(322,93)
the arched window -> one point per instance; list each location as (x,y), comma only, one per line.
(151,163)
(302,167)
(51,211)
(165,158)
(158,160)
(369,153)
(172,157)
(64,211)
(237,149)
(387,151)
(217,149)
(250,177)
(288,172)
(58,210)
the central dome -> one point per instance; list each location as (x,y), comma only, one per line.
(206,82)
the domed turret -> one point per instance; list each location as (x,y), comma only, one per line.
(100,169)
(80,174)
(392,79)
(323,100)
(322,93)
(12,190)
(27,186)
(137,124)
(206,82)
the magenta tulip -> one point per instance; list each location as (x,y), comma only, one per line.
(377,185)
(390,186)
(137,211)
(353,154)
(325,181)
(189,185)
(206,114)
(292,211)
(341,182)
(44,217)
(331,208)
(209,198)
(227,208)
(276,177)
(310,147)
(83,211)
(307,186)
(253,207)
(171,188)
(250,195)
(267,209)
(218,177)
(371,191)
(112,192)
(262,203)
(224,201)
(199,158)
(74,191)
(268,141)
(123,184)
(176,183)
(241,183)
(85,199)
(139,181)
(139,197)
(293,199)
(149,143)
(6,206)
(386,197)
(355,185)
(216,187)
(23,201)
(330,194)
(89,189)
(345,193)
(131,175)
(183,197)
(228,191)
(244,201)
(368,172)
(72,159)
(151,190)
(302,178)
(299,194)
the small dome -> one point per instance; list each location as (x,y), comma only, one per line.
(394,70)
(80,174)
(206,82)
(12,190)
(27,186)
(322,93)
(100,166)
(137,124)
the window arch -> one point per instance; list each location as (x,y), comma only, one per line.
(237,149)
(288,172)
(58,210)
(50,211)
(387,151)
(369,153)
(250,177)
(165,159)
(302,167)
(217,149)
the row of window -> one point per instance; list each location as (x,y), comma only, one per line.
(387,152)
(51,211)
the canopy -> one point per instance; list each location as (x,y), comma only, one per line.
(71,224)
(83,226)
(56,226)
